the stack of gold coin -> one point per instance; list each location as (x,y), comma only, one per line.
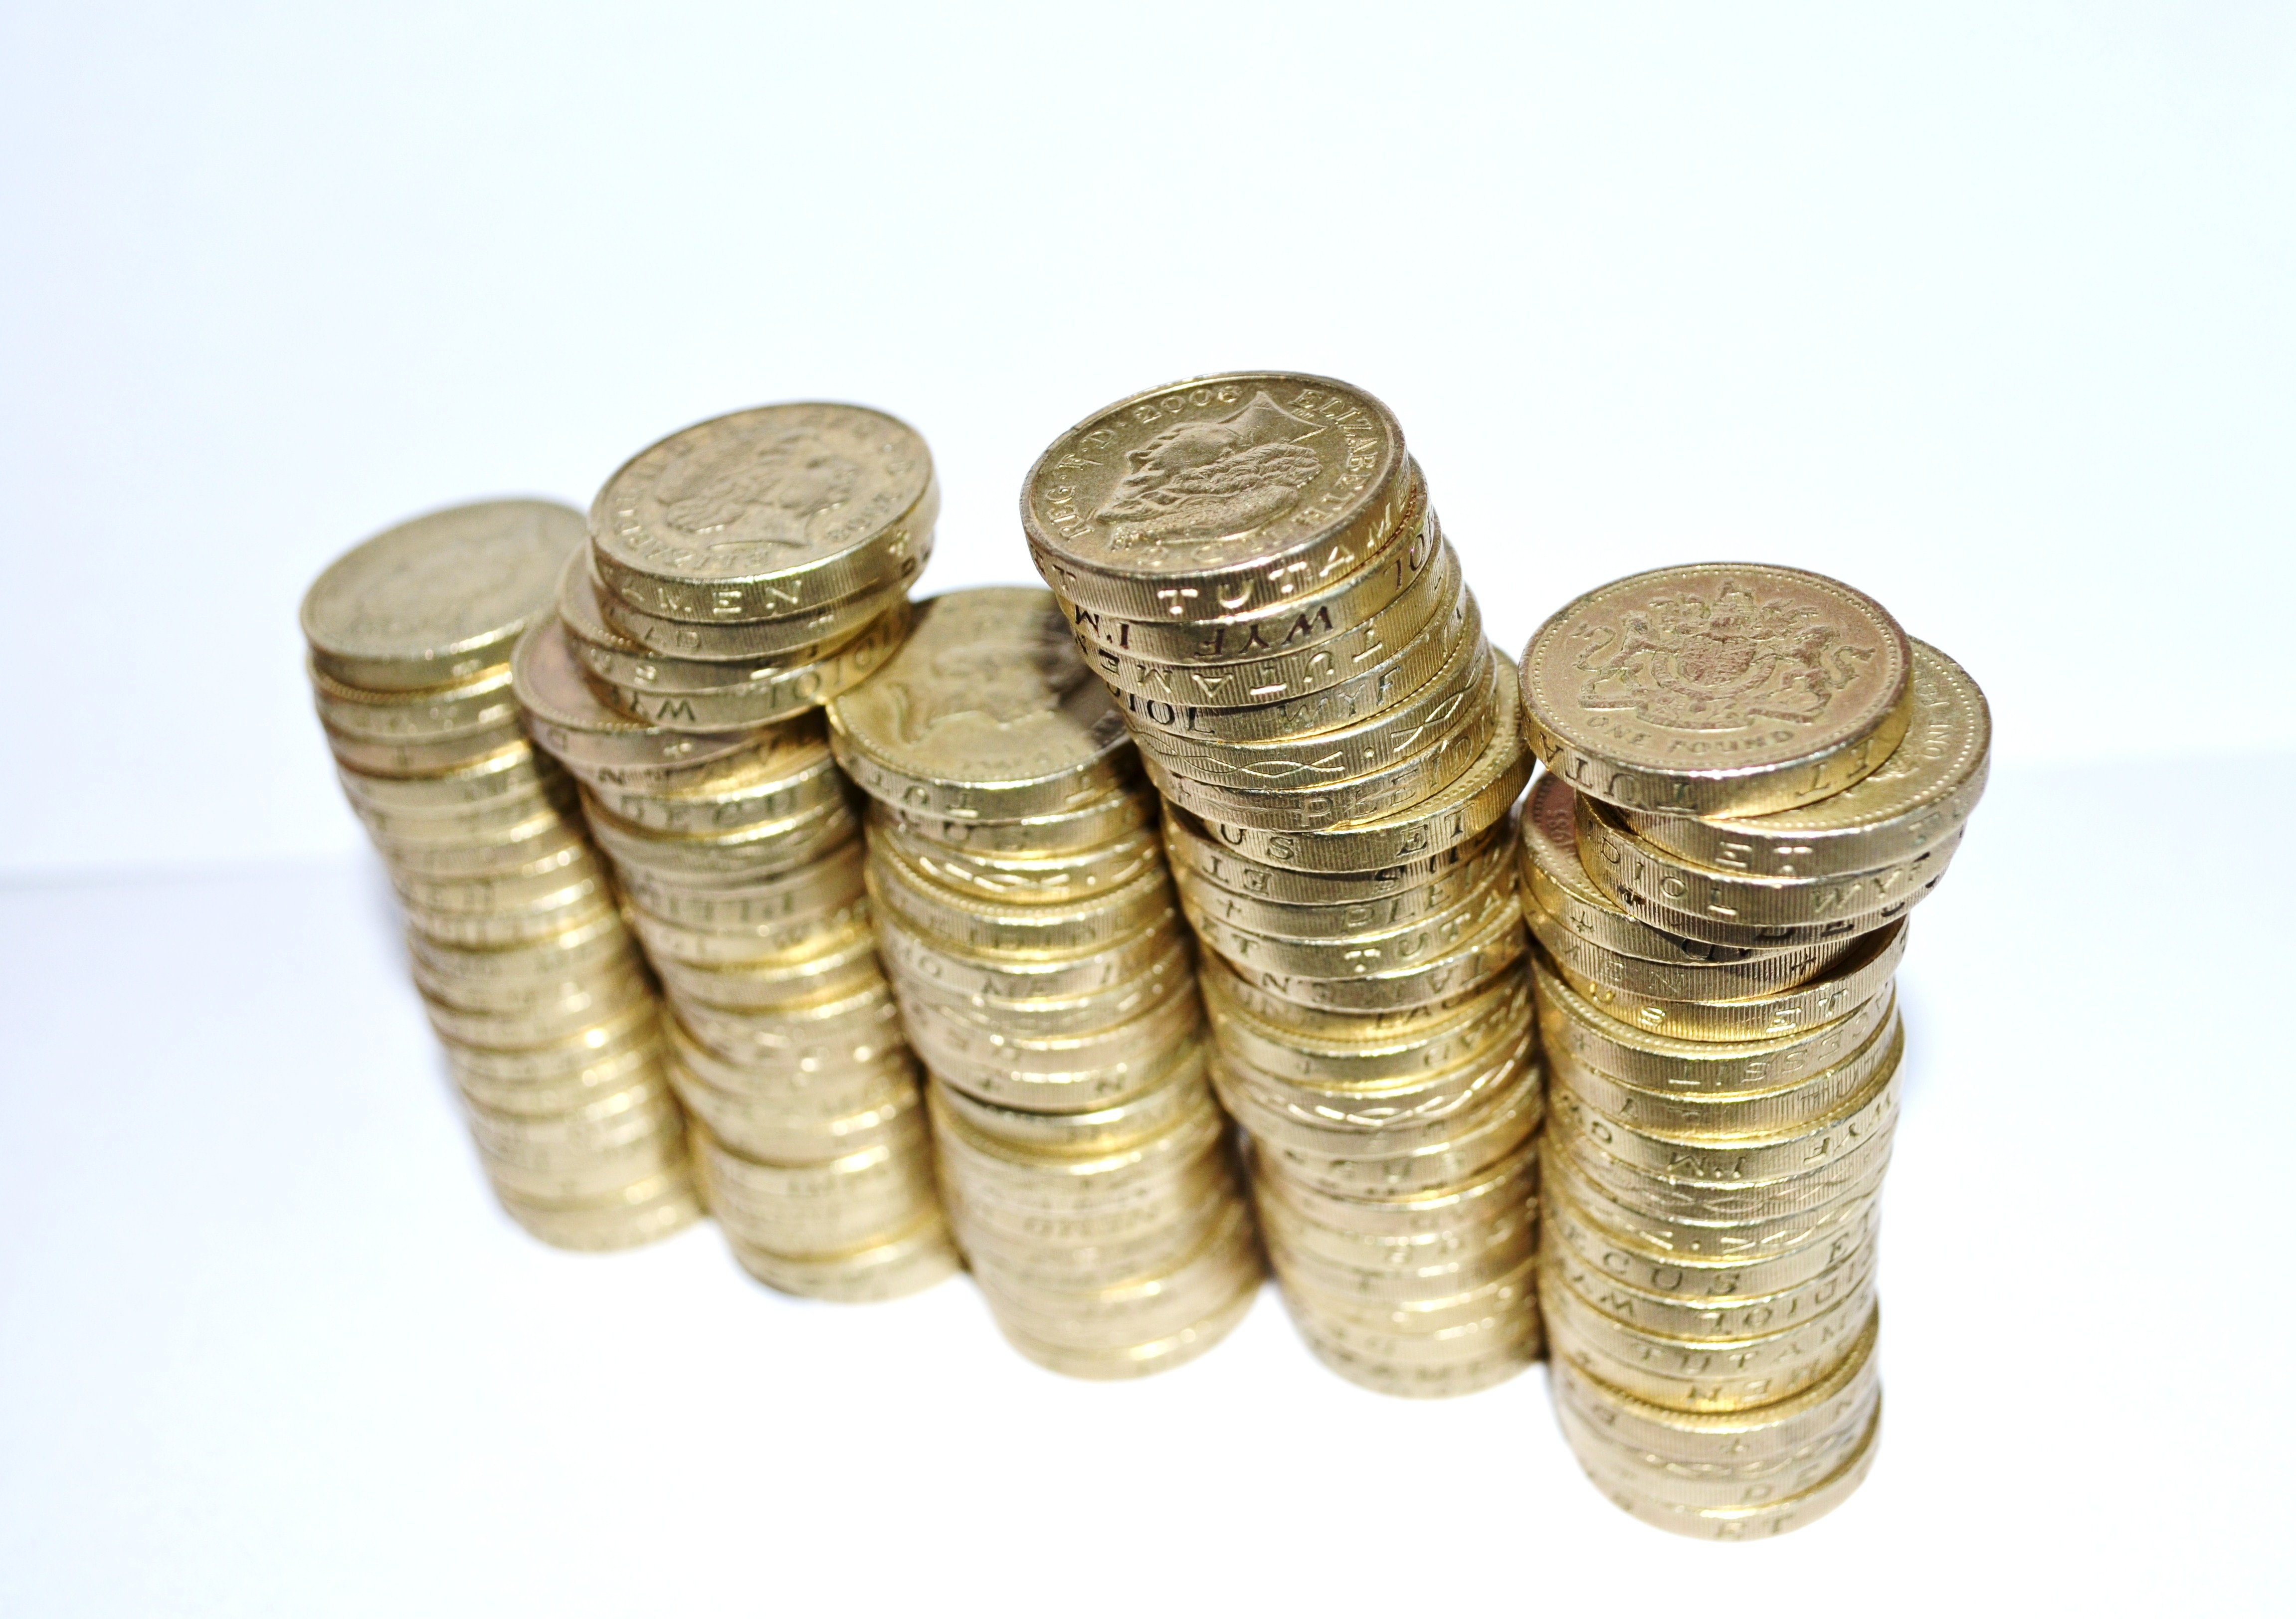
(1250,563)
(1024,911)
(1751,775)
(739,573)
(547,1014)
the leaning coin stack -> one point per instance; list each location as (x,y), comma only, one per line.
(1252,565)
(740,574)
(1024,912)
(1751,775)
(548,1017)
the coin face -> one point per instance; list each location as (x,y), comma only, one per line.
(988,689)
(441,596)
(1205,486)
(1699,689)
(782,490)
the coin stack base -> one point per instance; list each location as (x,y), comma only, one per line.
(1717,993)
(1252,566)
(530,979)
(1028,923)
(728,589)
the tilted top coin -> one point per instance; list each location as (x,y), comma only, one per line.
(1217,497)
(986,713)
(1918,798)
(766,513)
(438,599)
(1717,687)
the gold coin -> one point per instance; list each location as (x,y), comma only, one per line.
(1087,827)
(1919,797)
(830,879)
(1366,747)
(1140,1359)
(852,1057)
(605,1047)
(1777,1516)
(1492,1133)
(1697,1278)
(1035,980)
(580,1171)
(619,659)
(435,713)
(1555,880)
(1390,1123)
(741,858)
(1363,955)
(755,947)
(778,693)
(1299,620)
(646,1211)
(545,837)
(1851,1169)
(854,1021)
(1700,1375)
(766,513)
(1740,1316)
(510,817)
(1584,962)
(436,601)
(1082,1090)
(985,714)
(1577,1032)
(1716,689)
(1487,1370)
(1047,879)
(1342,1059)
(1849,981)
(1071,1267)
(1430,611)
(569,719)
(992,930)
(1504,1186)
(777,787)
(1410,1278)
(509,773)
(835,964)
(1191,845)
(1473,962)
(1014,1178)
(1447,754)
(1653,1477)
(1217,497)
(746,641)
(1183,1090)
(907,1263)
(1476,802)
(1682,898)
(940,992)
(596,940)
(1485,1238)
(451,755)
(1729,1237)
(562,1011)
(1698,1440)
(1373,910)
(1007,1055)
(1753,1158)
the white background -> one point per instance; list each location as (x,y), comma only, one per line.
(1986,309)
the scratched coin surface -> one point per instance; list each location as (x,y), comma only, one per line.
(1717,687)
(987,712)
(438,599)
(1217,497)
(766,513)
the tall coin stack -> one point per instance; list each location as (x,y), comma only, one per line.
(548,1017)
(1250,564)
(740,574)
(1751,775)
(1024,911)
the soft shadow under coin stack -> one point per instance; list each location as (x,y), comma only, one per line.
(740,574)
(1025,913)
(532,982)
(1751,776)
(1250,564)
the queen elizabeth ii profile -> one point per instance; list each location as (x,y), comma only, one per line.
(1209,480)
